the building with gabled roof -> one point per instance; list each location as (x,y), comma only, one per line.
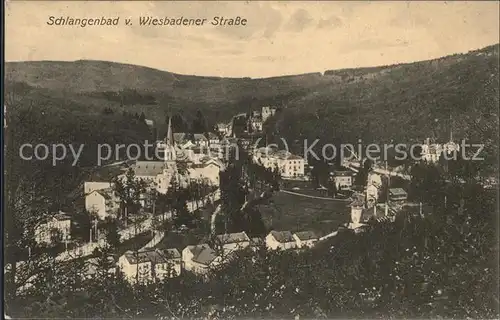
(283,240)
(102,202)
(54,228)
(231,242)
(200,258)
(397,195)
(150,265)
(305,239)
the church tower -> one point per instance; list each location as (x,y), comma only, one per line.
(169,153)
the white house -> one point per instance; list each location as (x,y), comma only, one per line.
(305,239)
(158,174)
(372,193)
(54,229)
(256,123)
(431,151)
(90,186)
(267,112)
(200,140)
(231,242)
(150,265)
(213,140)
(208,169)
(283,240)
(200,258)
(374,179)
(223,129)
(289,165)
(357,207)
(102,202)
(343,180)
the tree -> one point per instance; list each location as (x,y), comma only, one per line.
(199,123)
(112,235)
(130,191)
(142,117)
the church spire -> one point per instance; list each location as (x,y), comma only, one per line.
(169,139)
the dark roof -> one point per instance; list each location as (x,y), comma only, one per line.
(306,235)
(397,192)
(233,237)
(148,168)
(212,136)
(203,254)
(282,236)
(179,137)
(199,137)
(154,256)
(343,173)
(60,216)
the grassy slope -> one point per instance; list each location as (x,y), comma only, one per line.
(295,213)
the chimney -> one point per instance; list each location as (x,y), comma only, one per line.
(421,214)
(386,209)
(375,210)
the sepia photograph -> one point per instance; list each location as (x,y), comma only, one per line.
(250,160)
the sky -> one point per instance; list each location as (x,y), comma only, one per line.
(280,38)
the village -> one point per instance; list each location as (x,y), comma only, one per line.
(202,158)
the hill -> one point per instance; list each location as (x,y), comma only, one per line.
(409,102)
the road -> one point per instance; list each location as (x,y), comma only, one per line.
(130,232)
(355,166)
(312,197)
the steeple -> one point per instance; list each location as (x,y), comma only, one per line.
(169,153)
(169,139)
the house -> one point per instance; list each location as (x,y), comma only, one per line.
(431,151)
(157,174)
(374,179)
(103,202)
(56,228)
(150,265)
(208,170)
(305,239)
(231,242)
(223,129)
(200,258)
(213,140)
(342,180)
(268,112)
(180,138)
(283,240)
(289,165)
(357,207)
(200,140)
(397,195)
(372,193)
(170,266)
(256,123)
(89,186)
